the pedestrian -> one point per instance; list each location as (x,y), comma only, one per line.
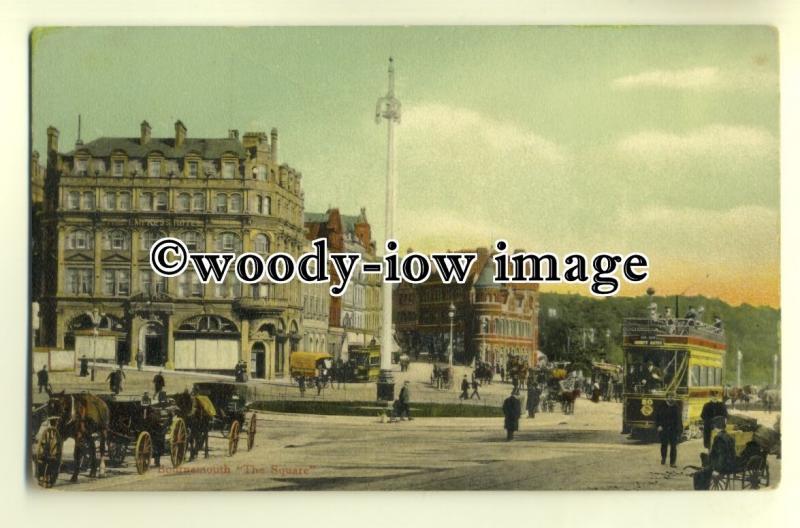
(503,374)
(405,401)
(238,372)
(301,383)
(115,380)
(595,392)
(158,383)
(84,367)
(511,410)
(42,377)
(515,384)
(318,383)
(475,386)
(139,360)
(670,427)
(711,410)
(464,389)
(534,394)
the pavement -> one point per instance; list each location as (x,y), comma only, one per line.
(312,452)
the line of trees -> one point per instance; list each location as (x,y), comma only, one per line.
(581,329)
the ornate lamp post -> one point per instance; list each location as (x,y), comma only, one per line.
(451,314)
(95,316)
(388,108)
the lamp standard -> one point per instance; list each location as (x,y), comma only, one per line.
(95,317)
(388,108)
(738,368)
(451,314)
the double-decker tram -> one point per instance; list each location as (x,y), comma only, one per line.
(679,360)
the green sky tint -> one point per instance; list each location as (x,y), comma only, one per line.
(658,139)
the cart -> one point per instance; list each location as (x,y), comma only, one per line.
(230,403)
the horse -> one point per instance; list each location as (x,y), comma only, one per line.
(198,420)
(568,400)
(80,416)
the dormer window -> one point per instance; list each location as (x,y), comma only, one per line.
(193,169)
(155,168)
(228,170)
(81,166)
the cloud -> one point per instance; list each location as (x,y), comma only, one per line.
(723,140)
(434,122)
(702,78)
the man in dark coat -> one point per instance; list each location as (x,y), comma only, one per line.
(464,389)
(512,409)
(405,401)
(722,457)
(158,383)
(670,427)
(711,410)
(475,386)
(534,393)
(84,367)
(42,377)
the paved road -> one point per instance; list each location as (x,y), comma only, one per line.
(307,452)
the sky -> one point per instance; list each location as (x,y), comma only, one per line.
(660,140)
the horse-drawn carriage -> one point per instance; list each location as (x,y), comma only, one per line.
(230,418)
(752,444)
(145,429)
(120,427)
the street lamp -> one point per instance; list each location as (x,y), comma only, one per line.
(451,314)
(738,368)
(94,316)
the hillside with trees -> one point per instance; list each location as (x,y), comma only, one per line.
(580,329)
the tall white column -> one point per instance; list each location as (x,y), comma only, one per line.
(388,108)
(738,368)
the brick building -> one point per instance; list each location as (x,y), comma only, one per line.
(491,321)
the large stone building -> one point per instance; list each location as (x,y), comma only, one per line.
(355,317)
(107,201)
(490,321)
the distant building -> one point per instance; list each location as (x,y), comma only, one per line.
(316,313)
(491,321)
(108,200)
(355,317)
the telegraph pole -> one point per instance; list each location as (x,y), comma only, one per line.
(388,108)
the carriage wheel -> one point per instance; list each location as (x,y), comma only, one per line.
(233,438)
(719,482)
(143,452)
(751,477)
(177,441)
(251,432)
(48,457)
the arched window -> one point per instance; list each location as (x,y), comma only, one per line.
(262,244)
(193,240)
(161,201)
(198,202)
(146,201)
(80,239)
(222,203)
(228,242)
(117,240)
(236,203)
(260,204)
(88,200)
(111,200)
(261,173)
(184,202)
(124,201)
(149,238)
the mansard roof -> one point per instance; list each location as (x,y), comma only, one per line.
(207,148)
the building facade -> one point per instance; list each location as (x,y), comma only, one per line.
(490,321)
(355,317)
(107,201)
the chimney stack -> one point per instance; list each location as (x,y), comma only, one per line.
(52,140)
(274,142)
(180,133)
(145,136)
(233,133)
